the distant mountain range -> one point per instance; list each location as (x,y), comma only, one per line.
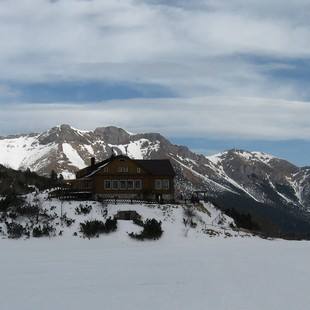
(274,191)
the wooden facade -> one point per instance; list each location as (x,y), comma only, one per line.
(125,178)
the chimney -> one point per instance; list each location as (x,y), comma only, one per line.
(92,161)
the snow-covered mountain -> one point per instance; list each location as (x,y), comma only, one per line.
(66,149)
(235,178)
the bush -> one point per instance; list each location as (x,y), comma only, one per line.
(28,210)
(10,200)
(45,231)
(83,210)
(94,228)
(138,222)
(14,230)
(110,225)
(151,231)
(68,221)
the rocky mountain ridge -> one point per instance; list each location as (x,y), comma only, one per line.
(245,178)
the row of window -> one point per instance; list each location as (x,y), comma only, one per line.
(122,169)
(134,184)
(162,184)
(123,184)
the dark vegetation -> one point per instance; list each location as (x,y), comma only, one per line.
(83,209)
(11,200)
(14,184)
(286,190)
(243,220)
(189,217)
(45,230)
(151,230)
(94,228)
(273,220)
(68,221)
(27,210)
(13,209)
(22,182)
(14,230)
(138,222)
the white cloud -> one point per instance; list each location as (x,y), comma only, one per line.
(196,48)
(208,117)
(190,48)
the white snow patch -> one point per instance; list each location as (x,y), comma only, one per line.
(23,152)
(73,156)
(216,158)
(137,149)
(89,149)
(68,175)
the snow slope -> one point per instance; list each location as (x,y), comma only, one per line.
(185,269)
(105,273)
(73,156)
(23,152)
(208,220)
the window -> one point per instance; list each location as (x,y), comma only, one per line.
(138,170)
(158,184)
(115,184)
(122,169)
(130,184)
(165,184)
(122,184)
(138,184)
(107,184)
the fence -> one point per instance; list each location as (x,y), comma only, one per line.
(69,194)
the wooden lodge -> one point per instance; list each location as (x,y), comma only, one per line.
(120,177)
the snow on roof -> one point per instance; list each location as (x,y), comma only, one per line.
(97,170)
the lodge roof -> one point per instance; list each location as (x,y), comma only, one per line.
(156,166)
(152,166)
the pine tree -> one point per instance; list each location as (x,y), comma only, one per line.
(53,175)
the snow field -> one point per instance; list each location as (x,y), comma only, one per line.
(185,269)
(105,273)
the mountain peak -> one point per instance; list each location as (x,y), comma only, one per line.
(113,135)
(62,133)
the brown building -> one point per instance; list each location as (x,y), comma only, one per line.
(125,178)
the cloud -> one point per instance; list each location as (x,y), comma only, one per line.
(206,117)
(196,48)
(8,93)
(239,68)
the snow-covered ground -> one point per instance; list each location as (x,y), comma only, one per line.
(206,218)
(185,269)
(187,273)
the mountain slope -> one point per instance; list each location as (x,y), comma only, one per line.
(247,181)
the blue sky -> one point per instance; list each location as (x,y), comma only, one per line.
(209,74)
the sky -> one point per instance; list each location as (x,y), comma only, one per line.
(210,74)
